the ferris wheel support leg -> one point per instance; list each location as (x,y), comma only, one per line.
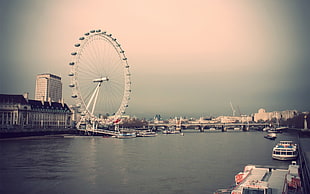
(93,95)
(95,101)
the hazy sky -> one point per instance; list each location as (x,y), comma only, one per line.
(187,58)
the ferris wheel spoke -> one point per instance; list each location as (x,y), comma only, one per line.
(89,59)
(88,74)
(89,63)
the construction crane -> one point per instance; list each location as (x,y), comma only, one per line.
(233,110)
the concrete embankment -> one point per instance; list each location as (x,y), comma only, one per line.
(14,133)
(304,160)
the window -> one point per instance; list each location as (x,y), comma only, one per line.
(253,191)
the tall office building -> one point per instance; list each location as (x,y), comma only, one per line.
(48,86)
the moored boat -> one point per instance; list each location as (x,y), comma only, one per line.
(271,136)
(285,150)
(266,128)
(125,135)
(275,130)
(281,128)
(171,132)
(146,134)
(266,180)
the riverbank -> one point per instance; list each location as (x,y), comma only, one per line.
(36,132)
(301,132)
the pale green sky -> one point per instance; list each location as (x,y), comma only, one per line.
(188,58)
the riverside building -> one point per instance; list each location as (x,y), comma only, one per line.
(19,114)
(48,87)
(262,115)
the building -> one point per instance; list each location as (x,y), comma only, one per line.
(262,115)
(48,87)
(19,113)
(234,119)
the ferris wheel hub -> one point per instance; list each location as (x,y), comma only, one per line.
(100,80)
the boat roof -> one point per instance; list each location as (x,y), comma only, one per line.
(277,180)
(286,142)
(256,174)
(285,147)
(264,178)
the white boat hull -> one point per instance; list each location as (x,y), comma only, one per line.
(126,135)
(281,157)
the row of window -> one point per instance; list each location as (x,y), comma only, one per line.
(34,119)
(287,153)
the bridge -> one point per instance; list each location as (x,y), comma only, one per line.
(183,126)
(202,126)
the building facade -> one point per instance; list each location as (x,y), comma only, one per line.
(262,115)
(17,112)
(48,87)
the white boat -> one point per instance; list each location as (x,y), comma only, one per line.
(146,134)
(266,129)
(266,180)
(285,150)
(281,128)
(125,135)
(271,136)
(171,132)
(275,130)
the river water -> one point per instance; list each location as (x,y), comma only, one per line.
(193,163)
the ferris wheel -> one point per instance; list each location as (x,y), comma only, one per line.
(100,77)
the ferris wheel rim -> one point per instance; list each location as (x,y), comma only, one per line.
(84,41)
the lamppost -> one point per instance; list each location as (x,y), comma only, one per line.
(305,122)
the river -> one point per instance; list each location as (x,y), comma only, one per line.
(193,163)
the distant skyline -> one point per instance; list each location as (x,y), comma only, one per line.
(187,58)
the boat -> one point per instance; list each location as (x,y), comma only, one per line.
(266,180)
(266,128)
(146,134)
(285,150)
(171,132)
(275,130)
(281,128)
(271,136)
(125,135)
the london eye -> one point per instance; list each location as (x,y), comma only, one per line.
(100,78)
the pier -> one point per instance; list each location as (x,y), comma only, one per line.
(102,132)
